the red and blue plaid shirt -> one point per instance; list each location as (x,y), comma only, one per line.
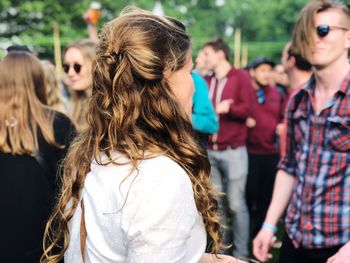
(318,154)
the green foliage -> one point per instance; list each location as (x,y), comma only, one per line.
(266,25)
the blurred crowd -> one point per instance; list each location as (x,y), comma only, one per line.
(238,115)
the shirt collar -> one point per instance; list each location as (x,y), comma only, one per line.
(345,86)
(310,85)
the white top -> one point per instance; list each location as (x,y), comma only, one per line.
(150,216)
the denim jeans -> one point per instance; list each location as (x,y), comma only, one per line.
(229,169)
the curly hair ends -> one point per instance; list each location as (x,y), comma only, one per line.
(133,111)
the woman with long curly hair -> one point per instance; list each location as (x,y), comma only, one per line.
(136,185)
(33,141)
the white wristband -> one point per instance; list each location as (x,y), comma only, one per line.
(269,227)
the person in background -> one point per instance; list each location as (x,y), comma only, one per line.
(53,85)
(204,119)
(265,117)
(201,67)
(91,18)
(313,180)
(136,184)
(281,80)
(78,57)
(229,90)
(33,141)
(299,71)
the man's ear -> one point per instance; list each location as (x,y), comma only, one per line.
(221,54)
(252,72)
(292,61)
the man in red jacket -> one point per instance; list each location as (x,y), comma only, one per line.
(229,91)
(265,118)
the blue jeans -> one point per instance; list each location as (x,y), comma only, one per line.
(229,170)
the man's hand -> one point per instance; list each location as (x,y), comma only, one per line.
(224,106)
(261,245)
(280,128)
(250,122)
(342,256)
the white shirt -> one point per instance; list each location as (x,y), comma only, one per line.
(149,216)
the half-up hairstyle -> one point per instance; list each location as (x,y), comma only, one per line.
(133,111)
(23,111)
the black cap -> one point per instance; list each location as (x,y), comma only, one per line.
(18,48)
(259,61)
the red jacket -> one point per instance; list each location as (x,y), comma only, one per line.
(262,139)
(232,128)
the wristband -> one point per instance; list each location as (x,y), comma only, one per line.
(269,227)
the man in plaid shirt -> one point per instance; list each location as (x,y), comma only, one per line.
(314,177)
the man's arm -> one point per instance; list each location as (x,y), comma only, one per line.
(211,258)
(282,192)
(342,256)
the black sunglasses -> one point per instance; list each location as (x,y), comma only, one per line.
(76,67)
(261,96)
(323,30)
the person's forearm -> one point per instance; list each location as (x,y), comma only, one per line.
(211,258)
(92,31)
(282,192)
(206,258)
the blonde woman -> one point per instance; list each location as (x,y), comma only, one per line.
(33,141)
(136,185)
(78,57)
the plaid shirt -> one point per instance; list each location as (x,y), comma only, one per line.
(317,154)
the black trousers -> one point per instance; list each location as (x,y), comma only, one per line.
(262,171)
(290,254)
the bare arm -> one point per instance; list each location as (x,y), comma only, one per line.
(91,27)
(92,33)
(211,258)
(281,195)
(282,192)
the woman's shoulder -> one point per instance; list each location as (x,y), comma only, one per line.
(152,173)
(161,161)
(63,127)
(60,119)
(163,167)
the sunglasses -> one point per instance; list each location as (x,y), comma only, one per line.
(323,30)
(76,67)
(261,96)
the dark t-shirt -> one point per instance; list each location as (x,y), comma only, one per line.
(27,195)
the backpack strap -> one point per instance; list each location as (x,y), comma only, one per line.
(83,232)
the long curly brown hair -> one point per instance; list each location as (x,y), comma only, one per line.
(133,110)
